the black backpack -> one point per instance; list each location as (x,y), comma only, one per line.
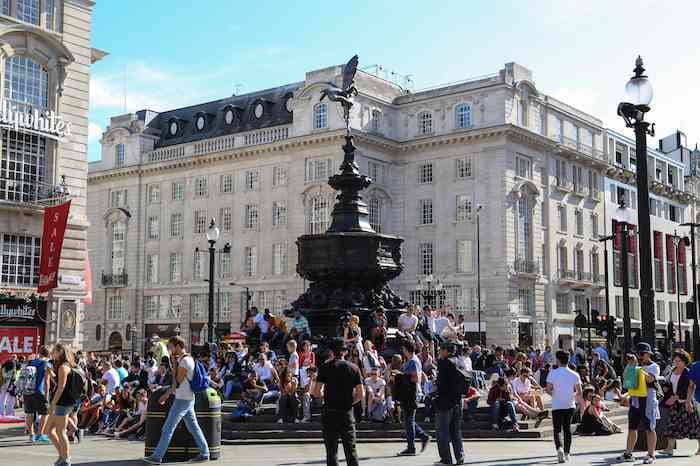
(77,384)
(463,378)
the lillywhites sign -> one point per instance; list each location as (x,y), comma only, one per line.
(15,311)
(49,124)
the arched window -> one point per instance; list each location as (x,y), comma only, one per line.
(26,83)
(376,120)
(115,341)
(425,122)
(375,214)
(118,246)
(98,333)
(28,11)
(463,116)
(318,214)
(563,261)
(320,116)
(524,228)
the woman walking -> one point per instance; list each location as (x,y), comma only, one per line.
(683,418)
(62,402)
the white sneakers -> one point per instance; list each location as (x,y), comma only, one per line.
(561,457)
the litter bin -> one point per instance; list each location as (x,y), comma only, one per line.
(207,406)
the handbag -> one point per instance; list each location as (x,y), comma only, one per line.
(641,390)
(630,378)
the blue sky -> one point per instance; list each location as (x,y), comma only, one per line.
(178,53)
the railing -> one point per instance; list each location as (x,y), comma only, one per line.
(565,274)
(20,191)
(575,275)
(598,279)
(115,280)
(526,266)
(584,276)
(166,153)
(266,135)
(579,188)
(563,183)
(578,146)
(215,145)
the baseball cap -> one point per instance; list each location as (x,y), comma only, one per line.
(644,348)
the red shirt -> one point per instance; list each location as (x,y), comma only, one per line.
(307,359)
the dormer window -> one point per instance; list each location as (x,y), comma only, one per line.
(200,122)
(228,116)
(289,104)
(173,128)
(259,110)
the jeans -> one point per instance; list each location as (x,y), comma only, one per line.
(336,425)
(496,412)
(181,409)
(471,408)
(561,418)
(230,387)
(412,429)
(449,430)
(288,408)
(7,404)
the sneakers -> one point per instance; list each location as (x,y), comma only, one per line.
(199,459)
(625,457)
(407,452)
(424,444)
(42,439)
(649,460)
(561,458)
(567,457)
(151,460)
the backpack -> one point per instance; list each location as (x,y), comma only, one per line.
(27,383)
(200,378)
(462,377)
(77,384)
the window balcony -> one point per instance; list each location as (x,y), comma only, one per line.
(22,193)
(598,280)
(574,277)
(115,280)
(563,184)
(526,267)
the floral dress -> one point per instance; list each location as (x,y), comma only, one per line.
(681,424)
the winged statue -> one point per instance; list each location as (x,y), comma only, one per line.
(345,94)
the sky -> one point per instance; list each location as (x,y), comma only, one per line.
(170,54)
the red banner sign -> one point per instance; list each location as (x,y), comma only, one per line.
(55,220)
(19,341)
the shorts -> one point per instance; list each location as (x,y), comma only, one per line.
(36,404)
(638,420)
(63,410)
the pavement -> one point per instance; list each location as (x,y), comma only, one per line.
(15,450)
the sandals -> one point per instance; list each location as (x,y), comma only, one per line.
(625,457)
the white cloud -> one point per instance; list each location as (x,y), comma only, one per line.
(94,132)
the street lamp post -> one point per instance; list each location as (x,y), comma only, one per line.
(605,240)
(640,93)
(696,328)
(212,237)
(622,216)
(478,272)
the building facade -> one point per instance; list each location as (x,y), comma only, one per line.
(45,59)
(532,167)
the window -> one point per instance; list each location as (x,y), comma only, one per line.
(115,308)
(463,116)
(464,207)
(425,173)
(200,187)
(563,260)
(658,261)
(178,191)
(526,300)
(318,169)
(176,225)
(20,260)
(425,256)
(320,116)
(579,222)
(118,198)
(50,6)
(226,184)
(593,185)
(152,268)
(561,211)
(578,178)
(425,123)
(579,302)
(579,266)
(119,156)
(522,115)
(595,267)
(226,218)
(524,228)
(661,310)
(175,266)
(225,264)
(198,265)
(556,128)
(98,332)
(252,180)
(279,176)
(279,259)
(23,165)
(319,214)
(199,304)
(175,310)
(375,122)
(153,193)
(150,307)
(375,214)
(376,172)
(425,214)
(200,221)
(153,227)
(523,167)
(26,83)
(594,225)
(562,176)
(7,7)
(118,251)
(279,213)
(251,217)
(463,167)
(674,213)
(464,256)
(250,263)
(563,303)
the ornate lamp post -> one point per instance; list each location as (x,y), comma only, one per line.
(212,237)
(640,93)
(623,217)
(696,327)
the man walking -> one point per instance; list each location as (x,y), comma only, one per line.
(341,384)
(182,407)
(35,380)
(563,384)
(411,379)
(449,407)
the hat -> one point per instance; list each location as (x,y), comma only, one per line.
(644,348)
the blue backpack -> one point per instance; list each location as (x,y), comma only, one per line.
(200,378)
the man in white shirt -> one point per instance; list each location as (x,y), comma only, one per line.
(182,407)
(110,377)
(375,396)
(262,320)
(563,385)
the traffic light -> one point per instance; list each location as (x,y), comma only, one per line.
(595,318)
(601,327)
(690,310)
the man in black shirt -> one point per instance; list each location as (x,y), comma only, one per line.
(449,407)
(342,388)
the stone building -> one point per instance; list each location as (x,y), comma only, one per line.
(259,164)
(45,59)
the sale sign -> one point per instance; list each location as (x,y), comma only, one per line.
(21,341)
(55,220)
